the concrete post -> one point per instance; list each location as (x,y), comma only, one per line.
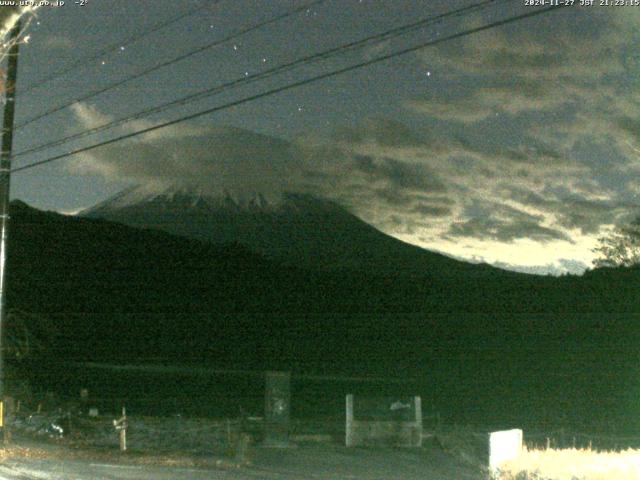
(418,419)
(121,427)
(349,421)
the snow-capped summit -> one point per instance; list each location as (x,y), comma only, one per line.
(174,196)
(295,229)
(287,226)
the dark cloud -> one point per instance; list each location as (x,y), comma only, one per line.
(398,174)
(524,149)
(432,210)
(507,59)
(503,223)
(499,95)
(505,230)
(410,182)
(575,211)
(538,49)
(589,216)
(631,126)
(210,159)
(393,197)
(383,132)
(527,197)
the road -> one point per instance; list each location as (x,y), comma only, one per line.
(81,470)
(313,463)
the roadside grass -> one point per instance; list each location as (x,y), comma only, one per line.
(573,464)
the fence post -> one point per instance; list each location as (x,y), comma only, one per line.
(121,426)
(123,440)
(418,420)
(349,421)
(7,412)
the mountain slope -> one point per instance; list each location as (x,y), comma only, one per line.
(117,293)
(66,265)
(296,229)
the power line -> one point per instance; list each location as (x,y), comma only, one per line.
(116,46)
(286,87)
(244,80)
(377,38)
(177,59)
(293,85)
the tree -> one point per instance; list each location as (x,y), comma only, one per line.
(621,248)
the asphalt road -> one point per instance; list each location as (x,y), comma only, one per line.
(319,463)
(80,470)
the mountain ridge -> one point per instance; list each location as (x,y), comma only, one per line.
(118,293)
(292,228)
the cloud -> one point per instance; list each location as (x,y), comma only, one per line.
(398,175)
(524,159)
(538,50)
(507,97)
(464,110)
(550,80)
(382,132)
(506,224)
(575,210)
(631,126)
(427,210)
(497,193)
(211,159)
(437,193)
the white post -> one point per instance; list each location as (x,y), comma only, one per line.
(418,407)
(349,424)
(121,427)
(504,446)
(123,440)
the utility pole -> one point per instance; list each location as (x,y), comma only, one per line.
(5,177)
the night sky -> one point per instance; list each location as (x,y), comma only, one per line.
(517,146)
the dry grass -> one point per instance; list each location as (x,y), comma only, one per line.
(15,451)
(573,464)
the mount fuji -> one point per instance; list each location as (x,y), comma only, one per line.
(292,229)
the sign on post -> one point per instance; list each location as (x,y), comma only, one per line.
(390,421)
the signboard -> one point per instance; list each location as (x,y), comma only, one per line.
(389,421)
(504,446)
